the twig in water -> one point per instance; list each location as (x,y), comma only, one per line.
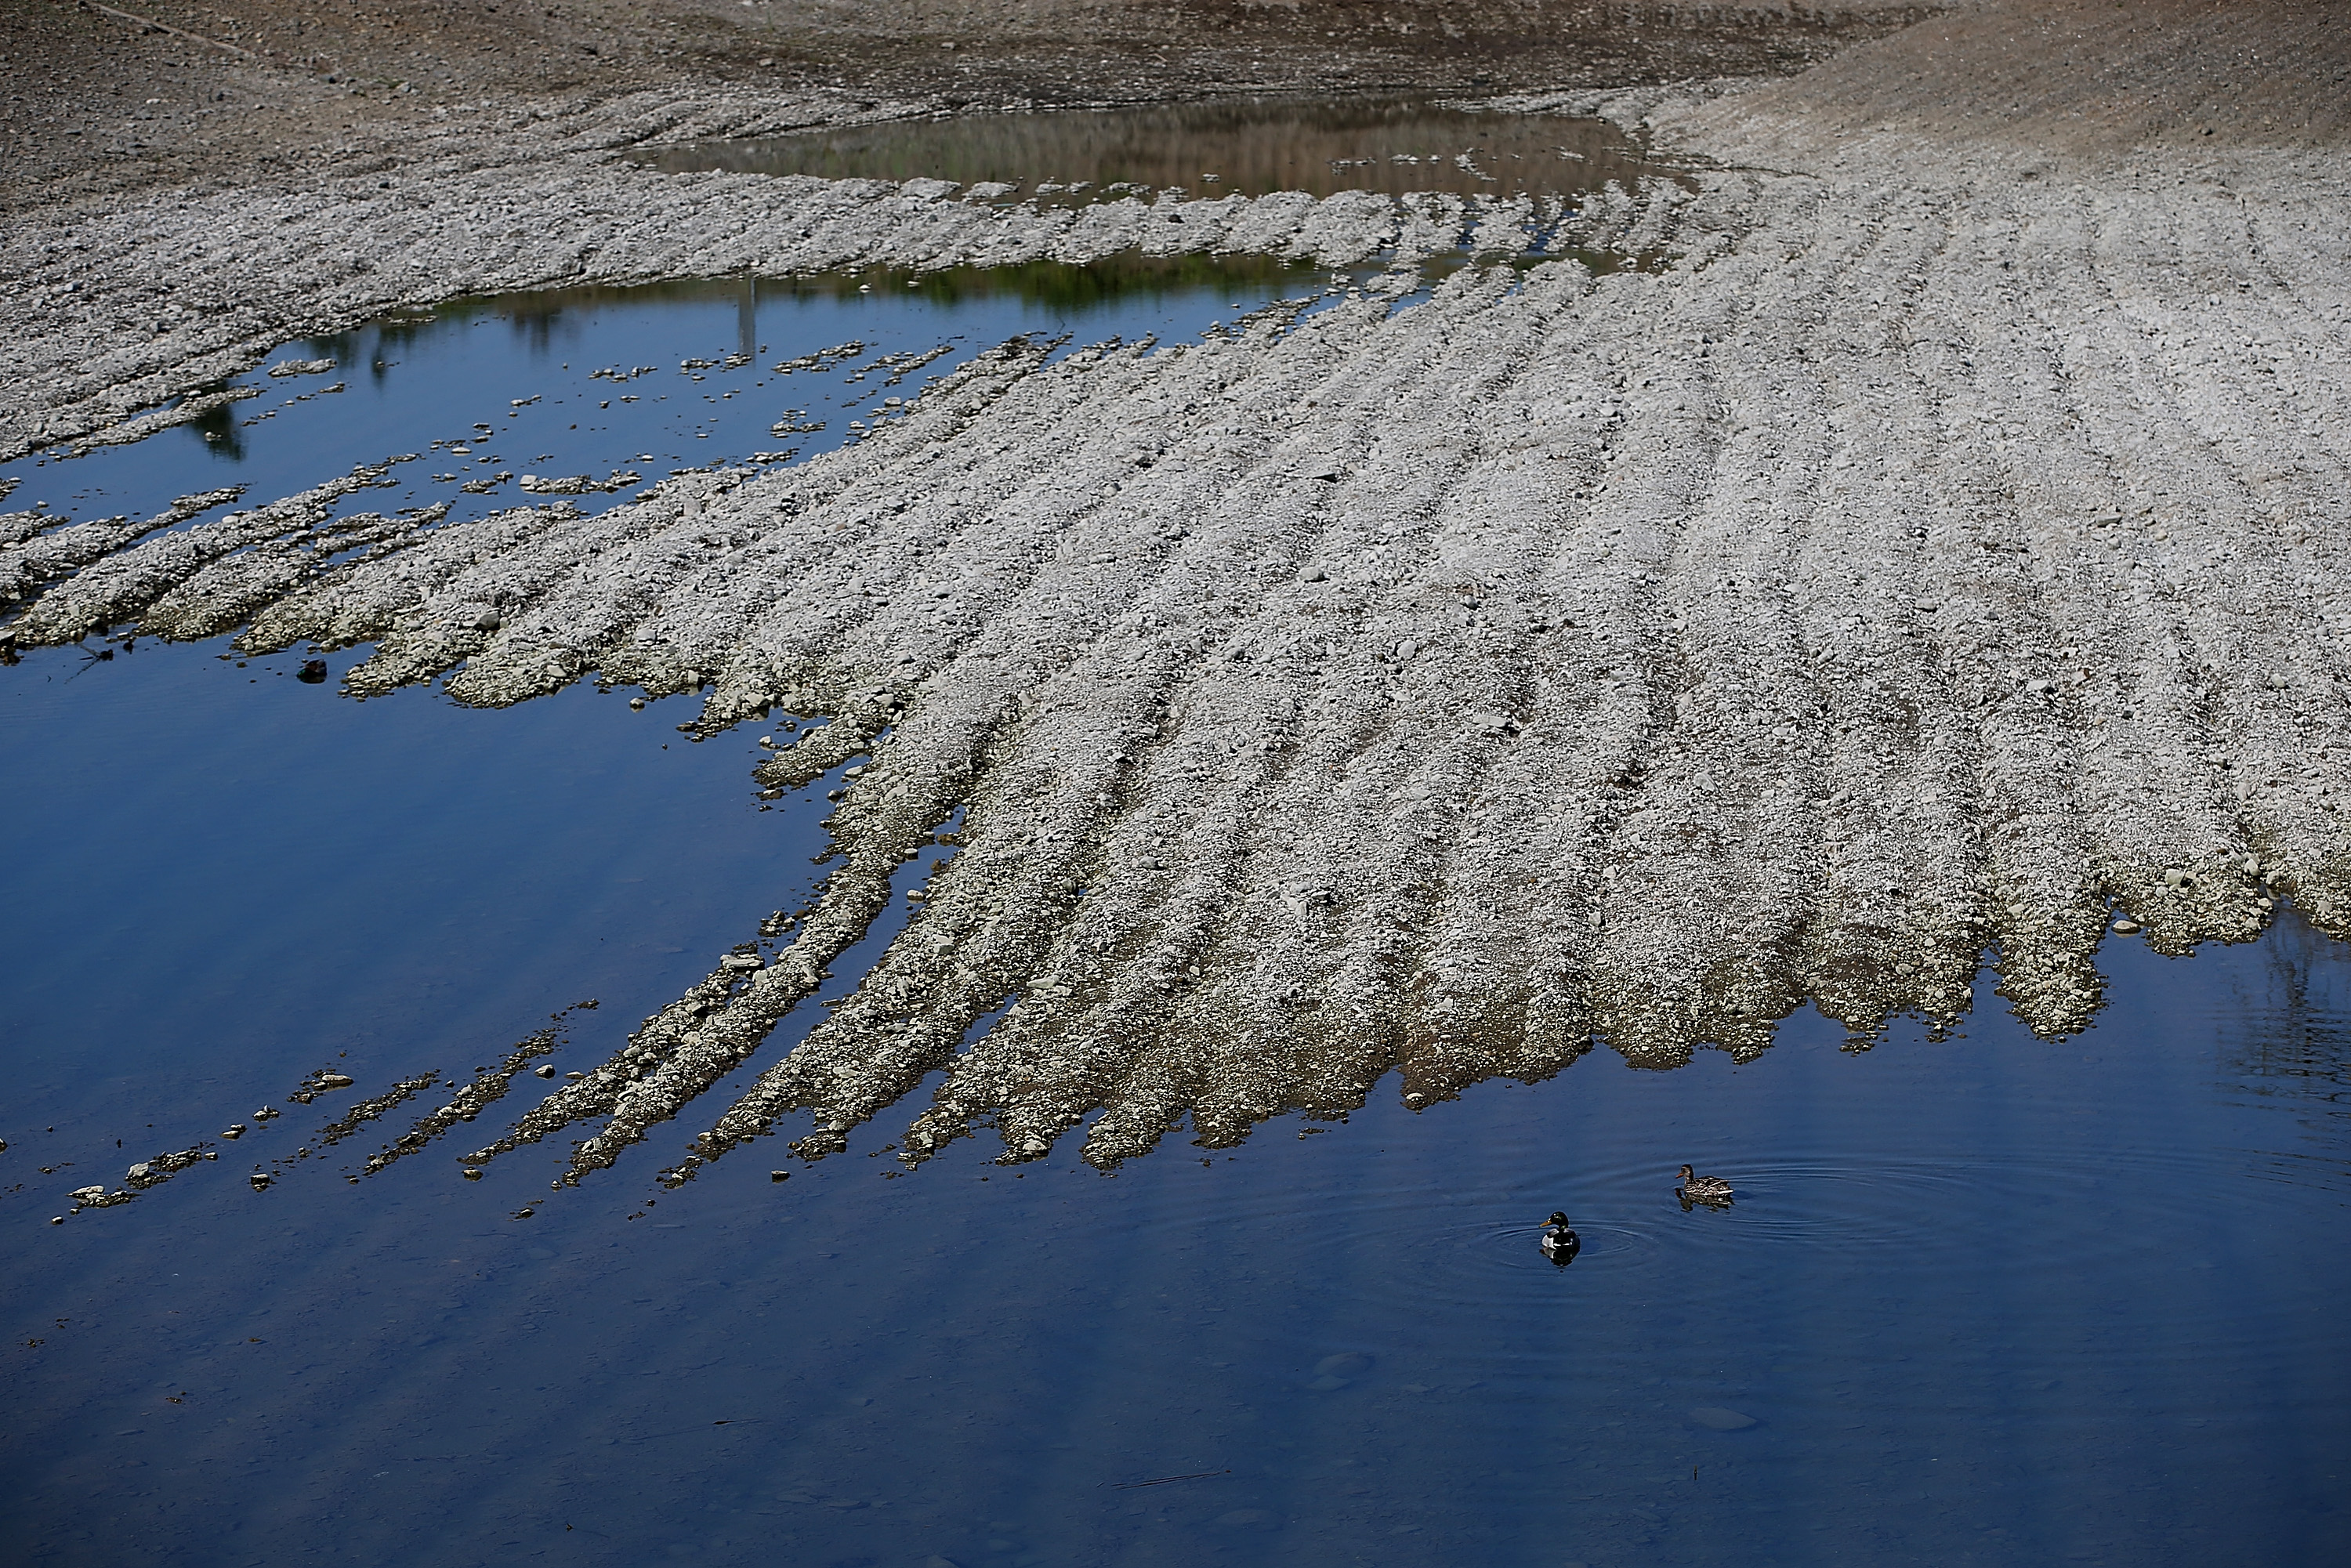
(1163,1481)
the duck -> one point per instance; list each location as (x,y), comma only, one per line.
(1559,1241)
(1703,1189)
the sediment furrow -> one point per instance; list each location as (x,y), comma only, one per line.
(39,558)
(1246,544)
(554,636)
(822,528)
(1988,564)
(376,599)
(614,569)
(124,584)
(1404,525)
(445,607)
(2173,462)
(1494,991)
(1896,925)
(226,594)
(375,1106)
(906,1018)
(486,1088)
(887,815)
(1160,820)
(1168,876)
(1253,974)
(606,1089)
(1068,1051)
(1620,585)
(1032,888)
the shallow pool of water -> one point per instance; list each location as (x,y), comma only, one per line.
(1988,1299)
(1248,146)
(492,393)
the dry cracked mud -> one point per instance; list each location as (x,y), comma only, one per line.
(1941,555)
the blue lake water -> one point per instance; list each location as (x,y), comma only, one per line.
(1987,1299)
(653,380)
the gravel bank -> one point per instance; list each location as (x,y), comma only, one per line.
(1946,552)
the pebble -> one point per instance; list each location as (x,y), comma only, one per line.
(235,1132)
(2127,926)
(779,1175)
(472,1175)
(334,1080)
(260,1180)
(638,704)
(544,1070)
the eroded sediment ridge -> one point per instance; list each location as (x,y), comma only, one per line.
(1930,563)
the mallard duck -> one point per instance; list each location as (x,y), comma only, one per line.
(1559,1240)
(1703,1189)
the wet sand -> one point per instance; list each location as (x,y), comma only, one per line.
(1946,547)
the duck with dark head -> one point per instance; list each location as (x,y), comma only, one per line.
(1559,1242)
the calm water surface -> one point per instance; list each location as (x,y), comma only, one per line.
(654,379)
(1251,147)
(1991,1300)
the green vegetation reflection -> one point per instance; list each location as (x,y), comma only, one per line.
(1060,287)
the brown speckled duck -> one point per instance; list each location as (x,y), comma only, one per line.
(1703,1189)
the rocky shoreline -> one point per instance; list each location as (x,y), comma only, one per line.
(1943,556)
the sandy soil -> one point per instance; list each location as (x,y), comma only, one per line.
(1948,549)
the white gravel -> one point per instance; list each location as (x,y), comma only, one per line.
(1948,546)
